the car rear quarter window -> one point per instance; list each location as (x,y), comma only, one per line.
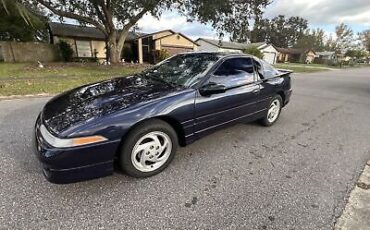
(234,72)
(268,71)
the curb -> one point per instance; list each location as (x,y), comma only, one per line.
(27,96)
(357,210)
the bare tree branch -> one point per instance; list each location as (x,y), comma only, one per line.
(101,16)
(123,34)
(108,13)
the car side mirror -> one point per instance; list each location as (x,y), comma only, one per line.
(212,88)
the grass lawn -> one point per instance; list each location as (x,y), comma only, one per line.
(23,79)
(309,68)
(303,68)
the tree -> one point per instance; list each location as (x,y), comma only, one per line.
(253,50)
(66,51)
(296,27)
(331,44)
(19,22)
(365,39)
(306,42)
(319,37)
(344,38)
(116,17)
(312,39)
(280,31)
(260,31)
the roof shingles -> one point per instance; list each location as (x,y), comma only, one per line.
(69,30)
(232,45)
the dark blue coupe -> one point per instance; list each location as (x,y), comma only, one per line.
(139,121)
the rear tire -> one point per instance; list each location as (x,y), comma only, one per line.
(273,111)
(148,149)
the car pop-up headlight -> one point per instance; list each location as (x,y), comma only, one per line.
(69,142)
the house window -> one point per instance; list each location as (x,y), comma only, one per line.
(83,48)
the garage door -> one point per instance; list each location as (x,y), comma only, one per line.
(172,50)
(269,57)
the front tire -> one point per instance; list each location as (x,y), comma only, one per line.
(148,149)
(273,112)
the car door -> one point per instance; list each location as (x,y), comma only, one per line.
(238,78)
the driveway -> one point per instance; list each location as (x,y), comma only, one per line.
(294,175)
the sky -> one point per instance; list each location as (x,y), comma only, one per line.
(325,14)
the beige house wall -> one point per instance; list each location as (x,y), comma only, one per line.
(161,34)
(175,40)
(310,57)
(157,44)
(283,57)
(99,47)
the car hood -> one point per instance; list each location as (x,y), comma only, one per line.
(92,101)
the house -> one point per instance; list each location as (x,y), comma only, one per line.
(296,55)
(86,42)
(327,55)
(270,53)
(168,40)
(89,42)
(211,45)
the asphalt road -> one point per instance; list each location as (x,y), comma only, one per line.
(294,175)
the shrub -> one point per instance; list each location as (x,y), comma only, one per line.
(160,55)
(128,54)
(333,63)
(253,50)
(84,59)
(66,51)
(163,54)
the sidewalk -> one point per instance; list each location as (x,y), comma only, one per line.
(356,215)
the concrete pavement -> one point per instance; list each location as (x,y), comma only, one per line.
(356,215)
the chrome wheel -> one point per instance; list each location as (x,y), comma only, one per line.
(151,151)
(273,112)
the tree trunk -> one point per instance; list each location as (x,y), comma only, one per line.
(116,42)
(112,52)
(115,54)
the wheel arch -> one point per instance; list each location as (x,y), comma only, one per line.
(176,125)
(282,95)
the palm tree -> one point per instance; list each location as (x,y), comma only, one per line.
(18,7)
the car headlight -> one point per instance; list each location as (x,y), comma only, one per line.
(69,142)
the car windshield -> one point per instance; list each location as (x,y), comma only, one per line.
(182,69)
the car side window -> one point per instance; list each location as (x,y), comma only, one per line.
(234,72)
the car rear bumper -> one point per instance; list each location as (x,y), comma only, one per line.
(68,165)
(288,94)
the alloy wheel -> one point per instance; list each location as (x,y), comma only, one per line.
(274,110)
(151,151)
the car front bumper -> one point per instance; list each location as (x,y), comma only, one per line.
(68,165)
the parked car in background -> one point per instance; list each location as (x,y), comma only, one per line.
(140,120)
